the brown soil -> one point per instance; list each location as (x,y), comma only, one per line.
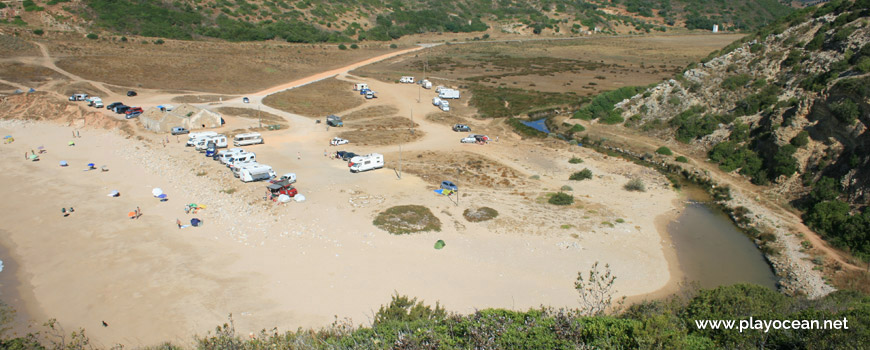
(78,88)
(265,118)
(45,106)
(26,74)
(207,66)
(463,168)
(445,118)
(316,100)
(371,112)
(381,137)
(395,122)
(200,98)
(13,46)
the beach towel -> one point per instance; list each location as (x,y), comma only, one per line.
(195,222)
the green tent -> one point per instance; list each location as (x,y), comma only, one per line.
(440,244)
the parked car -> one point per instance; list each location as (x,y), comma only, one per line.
(288,177)
(121,109)
(461,127)
(347,156)
(284,187)
(449,185)
(131,93)
(338,141)
(132,110)
(132,115)
(469,139)
(112,106)
(246,100)
(179,130)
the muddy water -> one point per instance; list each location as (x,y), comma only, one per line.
(713,252)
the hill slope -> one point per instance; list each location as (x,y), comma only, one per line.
(344,20)
(786,108)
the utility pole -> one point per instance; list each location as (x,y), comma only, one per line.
(400,162)
(259,118)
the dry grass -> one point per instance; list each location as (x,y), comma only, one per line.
(380,137)
(79,87)
(26,74)
(13,46)
(371,112)
(464,168)
(382,123)
(266,117)
(207,66)
(200,98)
(316,100)
(405,219)
(445,118)
(480,214)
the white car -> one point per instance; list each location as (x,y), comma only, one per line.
(338,141)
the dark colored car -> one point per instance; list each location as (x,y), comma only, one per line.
(112,106)
(121,109)
(131,93)
(347,156)
(461,127)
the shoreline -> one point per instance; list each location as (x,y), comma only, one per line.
(12,290)
(677,277)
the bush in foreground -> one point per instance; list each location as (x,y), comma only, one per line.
(635,185)
(561,198)
(584,174)
(664,151)
(404,219)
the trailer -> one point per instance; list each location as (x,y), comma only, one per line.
(360,86)
(407,80)
(448,94)
(426,84)
(257,172)
(251,138)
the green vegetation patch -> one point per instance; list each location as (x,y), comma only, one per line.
(405,219)
(499,102)
(480,214)
(584,174)
(601,107)
(561,198)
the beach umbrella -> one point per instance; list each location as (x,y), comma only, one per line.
(162,196)
(91,165)
(131,214)
(157,192)
(299,198)
(195,222)
(63,163)
(440,244)
(192,205)
(71,143)
(283,198)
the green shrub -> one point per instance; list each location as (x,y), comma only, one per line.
(38,31)
(566,188)
(159,42)
(584,174)
(561,198)
(575,160)
(682,159)
(354,46)
(635,185)
(404,219)
(736,81)
(664,151)
(342,47)
(801,139)
(846,111)
(577,128)
(393,46)
(92,36)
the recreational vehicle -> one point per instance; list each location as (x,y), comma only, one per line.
(240,158)
(407,80)
(251,138)
(426,84)
(445,106)
(224,156)
(360,86)
(192,137)
(366,162)
(256,173)
(236,170)
(220,141)
(448,93)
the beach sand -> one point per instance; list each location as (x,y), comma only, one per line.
(301,264)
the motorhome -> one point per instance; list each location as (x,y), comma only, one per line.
(366,162)
(426,84)
(360,86)
(251,138)
(407,80)
(224,156)
(220,141)
(214,143)
(436,101)
(448,93)
(192,137)
(240,158)
(236,170)
(256,173)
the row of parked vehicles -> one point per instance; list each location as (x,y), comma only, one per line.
(243,164)
(117,107)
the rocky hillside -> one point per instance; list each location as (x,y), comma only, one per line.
(345,20)
(788,108)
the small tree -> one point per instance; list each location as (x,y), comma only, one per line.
(38,31)
(682,159)
(354,46)
(393,46)
(596,291)
(92,36)
(342,47)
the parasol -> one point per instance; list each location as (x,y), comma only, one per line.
(156,192)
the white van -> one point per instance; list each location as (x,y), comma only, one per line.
(239,158)
(192,137)
(448,93)
(407,80)
(445,106)
(251,138)
(224,156)
(256,173)
(426,84)
(366,162)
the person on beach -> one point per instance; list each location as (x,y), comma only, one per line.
(298,155)
(138,212)
(78,134)
(74,133)
(178,222)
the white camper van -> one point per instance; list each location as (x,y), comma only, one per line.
(445,106)
(426,84)
(448,93)
(360,86)
(192,137)
(240,158)
(224,156)
(220,141)
(407,80)
(256,173)
(366,162)
(237,168)
(251,138)
(436,101)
